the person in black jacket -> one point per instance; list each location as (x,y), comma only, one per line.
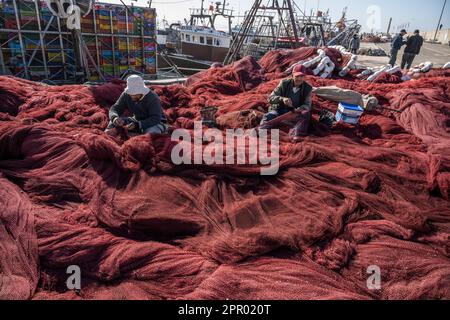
(396,45)
(292,95)
(413,46)
(144,104)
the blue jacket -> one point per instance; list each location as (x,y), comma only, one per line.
(397,42)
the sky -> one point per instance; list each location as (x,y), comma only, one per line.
(371,14)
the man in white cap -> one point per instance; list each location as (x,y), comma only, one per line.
(143,103)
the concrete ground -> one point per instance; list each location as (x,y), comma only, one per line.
(439,54)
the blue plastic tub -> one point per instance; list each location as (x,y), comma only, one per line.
(349,113)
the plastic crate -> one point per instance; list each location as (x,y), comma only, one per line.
(8,10)
(10,24)
(349,113)
(350,110)
(107,54)
(103,12)
(108,69)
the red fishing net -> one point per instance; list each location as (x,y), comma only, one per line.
(140,227)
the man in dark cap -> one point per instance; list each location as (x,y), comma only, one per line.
(292,95)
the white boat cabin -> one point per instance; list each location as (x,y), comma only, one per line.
(204,36)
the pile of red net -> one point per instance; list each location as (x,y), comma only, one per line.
(140,227)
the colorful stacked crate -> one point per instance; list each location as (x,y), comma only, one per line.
(2,19)
(3,38)
(106,55)
(46,15)
(135,44)
(150,56)
(52,42)
(8,15)
(122,44)
(122,55)
(150,43)
(141,55)
(105,15)
(90,44)
(149,22)
(105,52)
(54,54)
(36,67)
(12,53)
(31,41)
(54,58)
(110,54)
(87,23)
(69,56)
(89,41)
(122,21)
(105,43)
(136,53)
(114,20)
(14,47)
(103,21)
(106,58)
(129,52)
(138,18)
(27,13)
(11,48)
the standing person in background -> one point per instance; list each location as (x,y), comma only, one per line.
(396,45)
(413,46)
(354,44)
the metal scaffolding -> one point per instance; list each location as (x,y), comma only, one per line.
(36,45)
(263,28)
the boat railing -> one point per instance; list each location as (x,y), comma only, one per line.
(197,11)
(206,30)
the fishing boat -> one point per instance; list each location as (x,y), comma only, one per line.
(195,45)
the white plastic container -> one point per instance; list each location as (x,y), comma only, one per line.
(349,113)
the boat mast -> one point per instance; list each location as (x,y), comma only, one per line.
(200,15)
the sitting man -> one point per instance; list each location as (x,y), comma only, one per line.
(144,104)
(293,94)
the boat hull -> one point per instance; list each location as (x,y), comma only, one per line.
(204,52)
(187,66)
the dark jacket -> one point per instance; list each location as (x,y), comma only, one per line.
(284,90)
(397,42)
(354,43)
(414,44)
(148,111)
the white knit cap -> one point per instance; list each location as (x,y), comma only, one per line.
(136,85)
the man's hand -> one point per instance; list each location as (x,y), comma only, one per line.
(287,102)
(301,109)
(118,122)
(131,126)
